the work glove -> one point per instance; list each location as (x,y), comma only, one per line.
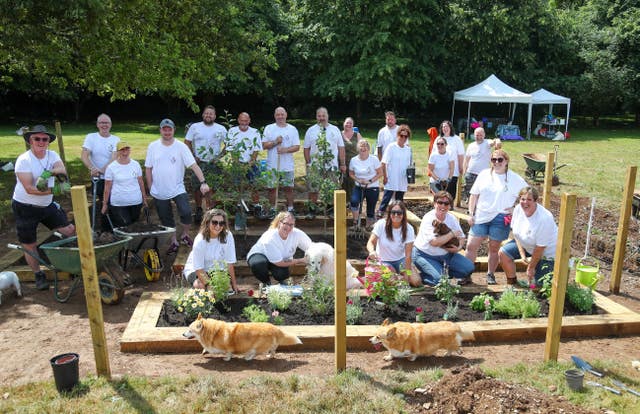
(42,183)
(62,178)
(61,188)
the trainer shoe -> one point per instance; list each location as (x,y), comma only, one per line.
(41,281)
(186,240)
(173,249)
(491,279)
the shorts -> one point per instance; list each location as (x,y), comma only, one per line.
(165,212)
(495,229)
(191,278)
(29,216)
(207,169)
(286,179)
(544,266)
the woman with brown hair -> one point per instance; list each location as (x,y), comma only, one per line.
(395,161)
(491,202)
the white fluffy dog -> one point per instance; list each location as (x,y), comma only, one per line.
(8,280)
(320,258)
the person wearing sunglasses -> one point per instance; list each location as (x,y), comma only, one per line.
(213,248)
(455,147)
(534,239)
(272,255)
(491,202)
(391,242)
(365,170)
(441,167)
(32,203)
(430,255)
(395,161)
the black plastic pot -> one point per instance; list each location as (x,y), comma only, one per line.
(65,371)
(411,174)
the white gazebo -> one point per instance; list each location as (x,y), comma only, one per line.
(543,96)
(490,90)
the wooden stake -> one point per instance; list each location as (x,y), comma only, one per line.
(548,180)
(90,279)
(340,280)
(457,201)
(623,230)
(60,144)
(560,276)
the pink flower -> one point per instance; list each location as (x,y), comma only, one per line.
(419,309)
(275,313)
(250,292)
(349,302)
(487,302)
(532,286)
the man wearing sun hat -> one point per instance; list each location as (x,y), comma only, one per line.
(167,159)
(98,151)
(37,171)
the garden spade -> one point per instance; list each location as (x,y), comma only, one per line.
(597,384)
(625,388)
(583,365)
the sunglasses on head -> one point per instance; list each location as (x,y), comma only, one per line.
(40,139)
(498,159)
(217,223)
(443,202)
(397,212)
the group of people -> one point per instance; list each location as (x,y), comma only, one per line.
(121,193)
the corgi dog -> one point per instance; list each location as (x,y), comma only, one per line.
(440,229)
(411,340)
(9,280)
(238,339)
(320,258)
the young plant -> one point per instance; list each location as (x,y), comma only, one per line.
(255,313)
(279,299)
(322,174)
(445,291)
(581,298)
(354,310)
(383,285)
(276,318)
(219,283)
(191,302)
(319,296)
(404,293)
(452,311)
(420,316)
(481,302)
(518,304)
(546,285)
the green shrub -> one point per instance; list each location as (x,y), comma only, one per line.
(319,296)
(255,313)
(354,310)
(519,304)
(445,291)
(219,282)
(452,311)
(279,299)
(581,298)
(479,302)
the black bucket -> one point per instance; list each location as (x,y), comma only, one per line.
(411,175)
(65,371)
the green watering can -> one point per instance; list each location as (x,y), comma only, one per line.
(587,272)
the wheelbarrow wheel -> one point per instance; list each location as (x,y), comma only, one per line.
(555,180)
(152,265)
(530,173)
(110,290)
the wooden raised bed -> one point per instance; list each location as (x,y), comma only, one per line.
(142,335)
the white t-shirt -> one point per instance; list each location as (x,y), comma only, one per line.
(334,138)
(212,254)
(365,169)
(426,233)
(496,193)
(290,138)
(538,230)
(276,249)
(397,159)
(250,139)
(441,165)
(100,148)
(387,136)
(455,147)
(125,189)
(206,140)
(480,156)
(169,163)
(27,162)
(391,250)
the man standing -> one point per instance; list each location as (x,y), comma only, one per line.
(387,134)
(245,143)
(281,140)
(32,202)
(336,147)
(205,139)
(98,150)
(477,158)
(166,162)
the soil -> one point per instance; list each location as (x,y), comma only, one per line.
(373,312)
(102,239)
(141,227)
(35,327)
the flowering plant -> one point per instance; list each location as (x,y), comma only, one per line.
(354,310)
(381,283)
(276,318)
(420,316)
(193,301)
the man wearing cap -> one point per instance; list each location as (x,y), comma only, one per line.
(167,159)
(98,150)
(205,139)
(124,191)
(40,174)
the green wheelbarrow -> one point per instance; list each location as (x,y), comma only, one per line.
(536,165)
(64,258)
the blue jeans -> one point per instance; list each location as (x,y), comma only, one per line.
(396,264)
(544,266)
(370,194)
(165,212)
(386,198)
(430,267)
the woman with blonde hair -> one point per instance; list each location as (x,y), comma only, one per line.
(491,203)
(395,161)
(213,248)
(272,255)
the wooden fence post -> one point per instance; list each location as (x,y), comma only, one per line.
(548,180)
(90,279)
(340,280)
(560,276)
(623,230)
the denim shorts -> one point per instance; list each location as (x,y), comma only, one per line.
(545,265)
(495,229)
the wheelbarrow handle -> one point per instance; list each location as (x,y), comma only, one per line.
(14,246)
(30,253)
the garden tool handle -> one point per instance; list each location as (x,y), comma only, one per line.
(13,246)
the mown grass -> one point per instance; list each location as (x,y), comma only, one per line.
(350,391)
